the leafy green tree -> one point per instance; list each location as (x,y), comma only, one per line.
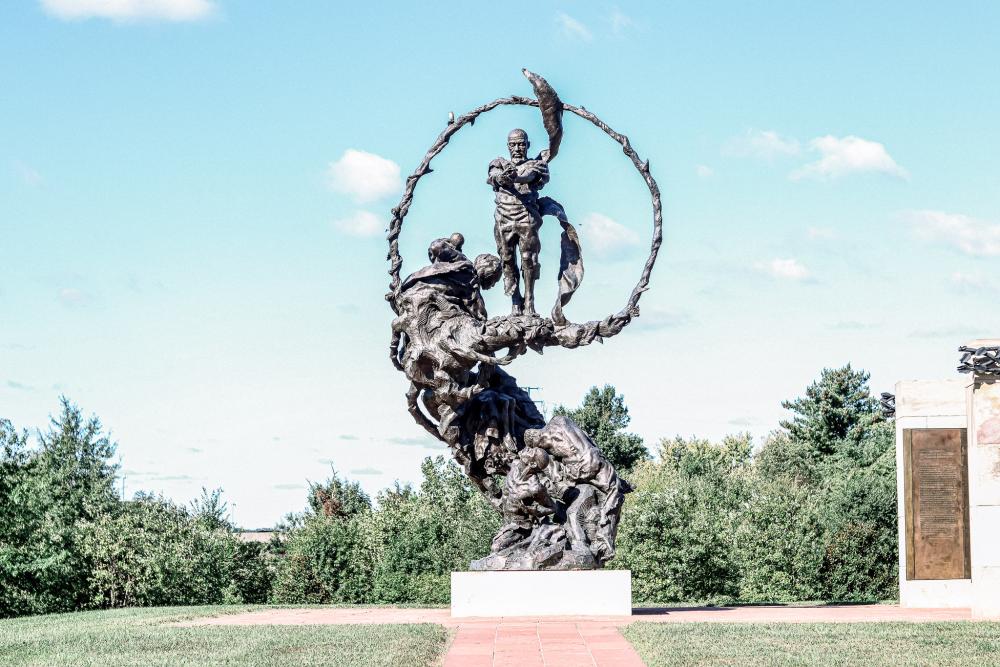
(603,416)
(778,542)
(338,497)
(323,559)
(836,407)
(419,537)
(858,501)
(150,551)
(252,573)
(675,531)
(211,510)
(782,457)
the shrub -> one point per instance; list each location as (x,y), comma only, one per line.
(323,558)
(420,537)
(323,563)
(152,552)
(676,527)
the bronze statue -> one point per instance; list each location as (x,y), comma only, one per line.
(559,497)
(518,217)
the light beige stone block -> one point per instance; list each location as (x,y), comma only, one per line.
(984,452)
(984,529)
(984,342)
(986,593)
(984,477)
(986,412)
(931,398)
(935,594)
(950,421)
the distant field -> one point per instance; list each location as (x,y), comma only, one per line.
(817,645)
(134,637)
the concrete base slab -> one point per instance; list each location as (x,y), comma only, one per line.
(564,593)
(935,593)
(986,593)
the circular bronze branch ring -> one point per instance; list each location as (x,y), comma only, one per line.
(400,210)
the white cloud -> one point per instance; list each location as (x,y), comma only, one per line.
(969,235)
(360,223)
(704,171)
(973,282)
(765,144)
(604,237)
(966,279)
(620,22)
(29,175)
(783,269)
(130,10)
(655,319)
(71,296)
(821,233)
(571,28)
(846,155)
(364,176)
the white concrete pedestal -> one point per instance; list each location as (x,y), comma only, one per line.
(565,593)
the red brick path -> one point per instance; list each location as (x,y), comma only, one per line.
(540,644)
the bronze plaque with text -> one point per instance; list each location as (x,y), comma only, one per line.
(936,485)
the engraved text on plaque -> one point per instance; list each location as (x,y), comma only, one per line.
(936,503)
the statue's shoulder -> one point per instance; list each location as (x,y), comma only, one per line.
(498,163)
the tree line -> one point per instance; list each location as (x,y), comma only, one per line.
(810,514)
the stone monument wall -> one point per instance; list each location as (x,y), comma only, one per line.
(983,397)
(931,412)
(948,484)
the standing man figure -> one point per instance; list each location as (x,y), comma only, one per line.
(518,217)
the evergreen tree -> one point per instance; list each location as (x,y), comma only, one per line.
(604,417)
(53,492)
(16,526)
(837,407)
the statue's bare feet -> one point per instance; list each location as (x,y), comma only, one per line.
(516,310)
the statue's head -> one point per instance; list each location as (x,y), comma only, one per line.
(447,250)
(532,437)
(534,458)
(517,144)
(488,269)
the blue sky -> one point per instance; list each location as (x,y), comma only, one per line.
(192,194)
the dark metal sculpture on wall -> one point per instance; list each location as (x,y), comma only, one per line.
(888,403)
(559,496)
(979,360)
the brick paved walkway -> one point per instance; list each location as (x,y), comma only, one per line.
(540,644)
(571,641)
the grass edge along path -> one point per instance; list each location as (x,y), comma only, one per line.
(891,644)
(147,636)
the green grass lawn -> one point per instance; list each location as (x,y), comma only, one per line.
(819,644)
(145,637)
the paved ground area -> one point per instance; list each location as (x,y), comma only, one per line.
(564,641)
(540,644)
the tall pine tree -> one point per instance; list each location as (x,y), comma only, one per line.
(604,417)
(837,407)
